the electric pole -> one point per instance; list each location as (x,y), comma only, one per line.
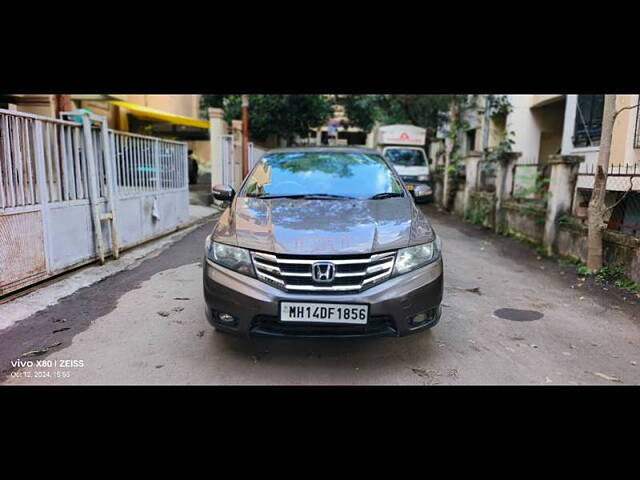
(62,104)
(245,135)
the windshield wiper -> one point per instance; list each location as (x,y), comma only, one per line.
(306,195)
(380,196)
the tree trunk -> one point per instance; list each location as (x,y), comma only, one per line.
(597,207)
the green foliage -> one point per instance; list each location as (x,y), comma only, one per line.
(499,106)
(617,277)
(522,238)
(477,216)
(361,110)
(215,101)
(427,111)
(539,186)
(532,209)
(581,269)
(479,211)
(608,275)
(281,115)
(568,220)
(540,250)
(494,154)
(570,260)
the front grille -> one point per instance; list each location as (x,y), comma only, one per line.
(377,325)
(353,273)
(410,178)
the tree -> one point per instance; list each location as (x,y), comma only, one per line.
(597,206)
(284,116)
(427,111)
(362,111)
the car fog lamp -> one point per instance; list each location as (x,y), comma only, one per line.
(418,319)
(226,318)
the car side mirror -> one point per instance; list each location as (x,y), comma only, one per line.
(223,193)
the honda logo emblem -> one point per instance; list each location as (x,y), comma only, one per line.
(323,272)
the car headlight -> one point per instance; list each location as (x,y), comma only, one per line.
(418,256)
(423,178)
(235,258)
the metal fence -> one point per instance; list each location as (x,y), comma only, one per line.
(17,164)
(228,160)
(232,160)
(73,191)
(623,196)
(147,164)
(255,154)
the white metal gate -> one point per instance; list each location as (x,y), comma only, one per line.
(63,183)
(232,158)
(255,154)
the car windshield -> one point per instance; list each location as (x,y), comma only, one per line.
(322,174)
(406,157)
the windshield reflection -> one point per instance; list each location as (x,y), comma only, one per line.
(341,174)
(405,157)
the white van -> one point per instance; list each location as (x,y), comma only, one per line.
(403,146)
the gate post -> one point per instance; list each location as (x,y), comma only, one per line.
(41,179)
(93,185)
(112,199)
(472,163)
(505,165)
(564,169)
(217,129)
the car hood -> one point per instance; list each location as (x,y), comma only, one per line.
(322,227)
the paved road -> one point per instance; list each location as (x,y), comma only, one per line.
(577,334)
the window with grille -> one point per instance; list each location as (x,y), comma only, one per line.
(588,123)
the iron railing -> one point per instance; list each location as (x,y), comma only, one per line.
(623,193)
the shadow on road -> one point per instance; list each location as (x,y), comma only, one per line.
(389,352)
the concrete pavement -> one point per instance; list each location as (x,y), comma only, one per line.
(510,317)
(51,293)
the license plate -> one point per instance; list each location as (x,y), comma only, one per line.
(324,312)
(409,187)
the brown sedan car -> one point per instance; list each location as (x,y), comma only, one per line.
(322,242)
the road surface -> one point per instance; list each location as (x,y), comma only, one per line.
(510,317)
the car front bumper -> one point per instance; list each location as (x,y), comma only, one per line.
(255,304)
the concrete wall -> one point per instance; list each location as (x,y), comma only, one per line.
(620,251)
(525,220)
(458,201)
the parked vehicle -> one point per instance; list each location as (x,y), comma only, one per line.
(322,242)
(403,146)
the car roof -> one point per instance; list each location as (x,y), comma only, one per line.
(325,148)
